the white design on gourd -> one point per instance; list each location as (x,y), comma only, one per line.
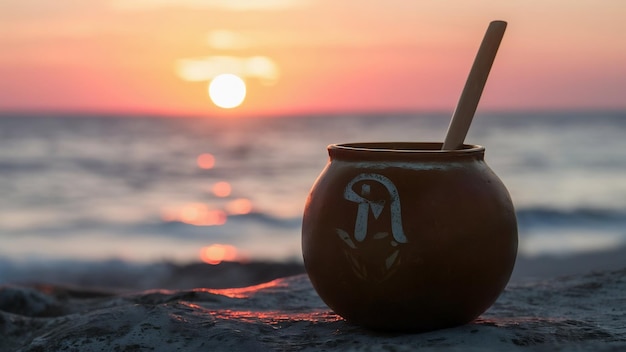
(376,207)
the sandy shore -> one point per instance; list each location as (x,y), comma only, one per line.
(119,306)
(575,313)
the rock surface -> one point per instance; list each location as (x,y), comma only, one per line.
(580,313)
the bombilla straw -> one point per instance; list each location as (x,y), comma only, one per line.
(466,107)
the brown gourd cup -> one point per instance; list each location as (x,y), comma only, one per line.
(413,236)
(406,236)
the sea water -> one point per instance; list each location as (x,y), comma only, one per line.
(148,189)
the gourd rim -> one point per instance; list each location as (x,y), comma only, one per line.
(403,148)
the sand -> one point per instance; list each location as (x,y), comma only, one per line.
(572,303)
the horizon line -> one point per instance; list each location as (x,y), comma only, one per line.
(90,113)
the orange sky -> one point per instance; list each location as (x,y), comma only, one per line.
(306,56)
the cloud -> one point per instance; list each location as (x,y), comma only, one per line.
(225,39)
(232,5)
(205,69)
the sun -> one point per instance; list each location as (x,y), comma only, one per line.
(227,91)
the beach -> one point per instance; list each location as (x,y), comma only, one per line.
(155,234)
(293,175)
(551,303)
(582,310)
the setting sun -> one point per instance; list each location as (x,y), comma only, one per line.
(227,91)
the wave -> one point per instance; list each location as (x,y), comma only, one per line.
(527,218)
(577,217)
(246,225)
(535,216)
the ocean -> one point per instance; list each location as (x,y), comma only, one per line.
(144,189)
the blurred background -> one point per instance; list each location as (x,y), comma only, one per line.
(142,132)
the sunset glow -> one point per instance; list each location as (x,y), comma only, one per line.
(303,56)
(247,292)
(275,317)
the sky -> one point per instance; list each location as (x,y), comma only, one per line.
(306,56)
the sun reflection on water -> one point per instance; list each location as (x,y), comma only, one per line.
(197,214)
(221,189)
(217,253)
(214,214)
(205,161)
(239,206)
